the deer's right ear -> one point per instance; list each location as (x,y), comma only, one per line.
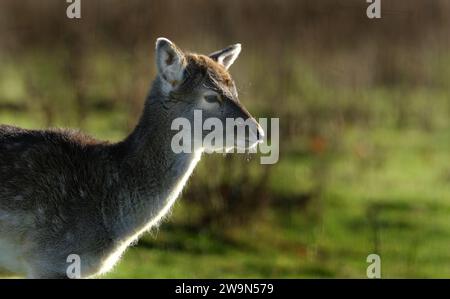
(227,56)
(170,61)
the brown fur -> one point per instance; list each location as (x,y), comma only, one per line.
(206,64)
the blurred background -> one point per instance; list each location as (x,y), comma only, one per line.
(364,110)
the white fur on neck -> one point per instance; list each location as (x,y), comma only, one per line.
(175,192)
(112,259)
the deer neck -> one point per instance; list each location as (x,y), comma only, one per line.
(152,173)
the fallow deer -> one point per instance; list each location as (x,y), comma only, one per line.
(64,193)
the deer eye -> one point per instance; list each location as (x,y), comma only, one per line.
(213,98)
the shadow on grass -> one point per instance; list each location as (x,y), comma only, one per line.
(188,238)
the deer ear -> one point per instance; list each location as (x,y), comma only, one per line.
(226,56)
(170,61)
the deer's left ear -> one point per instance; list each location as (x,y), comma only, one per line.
(170,62)
(227,56)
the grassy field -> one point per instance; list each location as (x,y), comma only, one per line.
(398,208)
(377,187)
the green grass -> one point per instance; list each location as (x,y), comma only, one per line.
(386,191)
(381,185)
(397,208)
